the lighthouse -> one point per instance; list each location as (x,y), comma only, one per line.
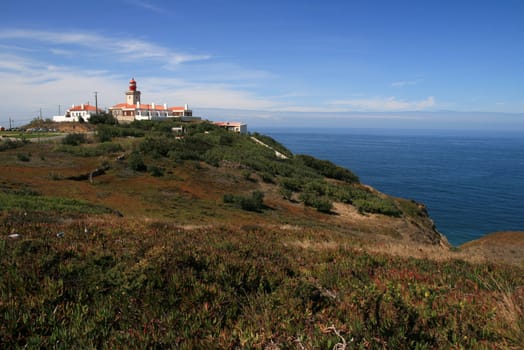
(132,95)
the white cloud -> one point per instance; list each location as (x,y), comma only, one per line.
(147,5)
(30,85)
(124,49)
(214,96)
(53,79)
(388,104)
(32,81)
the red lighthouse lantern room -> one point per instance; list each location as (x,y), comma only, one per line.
(132,85)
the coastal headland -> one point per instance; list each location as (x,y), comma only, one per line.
(185,234)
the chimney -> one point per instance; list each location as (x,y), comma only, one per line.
(186,107)
(137,104)
(82,106)
(153,105)
(165,105)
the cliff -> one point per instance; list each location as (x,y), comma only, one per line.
(207,176)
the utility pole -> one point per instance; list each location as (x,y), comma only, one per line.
(59,109)
(10,124)
(40,113)
(96,102)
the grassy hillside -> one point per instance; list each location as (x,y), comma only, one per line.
(136,237)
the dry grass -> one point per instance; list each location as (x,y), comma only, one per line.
(509,310)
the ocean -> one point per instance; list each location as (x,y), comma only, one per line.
(471,182)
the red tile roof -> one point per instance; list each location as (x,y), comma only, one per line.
(147,106)
(83,107)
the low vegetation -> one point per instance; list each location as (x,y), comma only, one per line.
(10,144)
(35,203)
(112,285)
(225,245)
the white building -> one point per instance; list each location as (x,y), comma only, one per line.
(73,114)
(133,109)
(241,128)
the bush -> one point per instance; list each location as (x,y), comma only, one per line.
(226,140)
(329,169)
(100,149)
(255,202)
(23,157)
(246,174)
(377,205)
(286,193)
(74,139)
(158,146)
(291,184)
(318,187)
(229,198)
(267,177)
(103,118)
(9,144)
(156,171)
(104,134)
(323,204)
(136,162)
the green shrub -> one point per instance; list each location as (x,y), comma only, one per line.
(226,140)
(159,146)
(104,134)
(98,150)
(229,198)
(377,205)
(267,177)
(156,171)
(286,193)
(292,184)
(107,132)
(108,148)
(10,144)
(23,157)
(136,162)
(255,202)
(319,187)
(328,169)
(246,174)
(103,118)
(323,204)
(74,139)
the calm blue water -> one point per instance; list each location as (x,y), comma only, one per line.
(472,184)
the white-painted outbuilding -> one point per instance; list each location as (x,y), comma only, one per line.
(73,114)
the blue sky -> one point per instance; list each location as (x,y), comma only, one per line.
(410,64)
